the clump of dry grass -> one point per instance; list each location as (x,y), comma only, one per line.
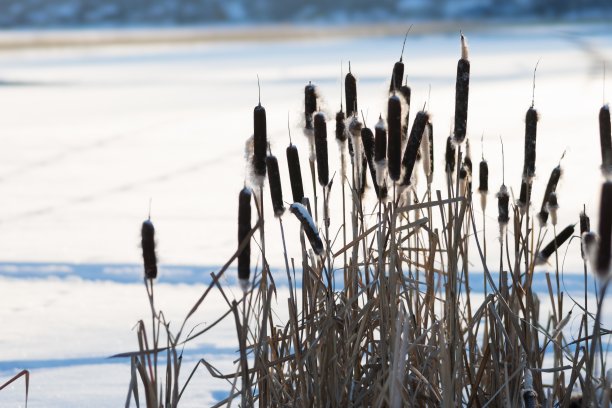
(387,317)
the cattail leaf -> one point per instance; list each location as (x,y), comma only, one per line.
(260,141)
(244,227)
(302,214)
(605,230)
(554,245)
(148,249)
(276,191)
(394,145)
(320,131)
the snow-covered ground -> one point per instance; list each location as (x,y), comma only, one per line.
(90,135)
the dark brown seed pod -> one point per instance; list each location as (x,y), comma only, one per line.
(380,141)
(368,146)
(605,137)
(340,127)
(295,173)
(310,229)
(483,186)
(244,227)
(148,249)
(503,200)
(585,223)
(414,143)
(260,141)
(524,196)
(450,156)
(431,148)
(530,397)
(462,88)
(310,104)
(276,191)
(553,245)
(350,92)
(397,76)
(551,187)
(394,145)
(531,128)
(320,131)
(605,230)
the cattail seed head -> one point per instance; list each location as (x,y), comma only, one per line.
(483,186)
(397,76)
(554,245)
(605,230)
(341,135)
(302,214)
(450,156)
(462,87)
(394,145)
(355,127)
(276,191)
(380,152)
(368,147)
(260,141)
(350,92)
(295,173)
(551,187)
(553,206)
(148,249)
(310,104)
(320,130)
(524,196)
(244,227)
(605,137)
(531,127)
(503,200)
(589,247)
(414,143)
(585,222)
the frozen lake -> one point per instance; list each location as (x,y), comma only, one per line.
(90,135)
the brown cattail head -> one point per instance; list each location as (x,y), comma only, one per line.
(368,147)
(295,173)
(585,222)
(276,191)
(350,92)
(320,131)
(551,187)
(553,206)
(412,148)
(531,127)
(524,196)
(554,245)
(260,141)
(148,249)
(310,104)
(394,146)
(397,76)
(406,93)
(380,145)
(450,156)
(462,87)
(605,230)
(503,200)
(244,227)
(341,135)
(302,214)
(605,138)
(483,186)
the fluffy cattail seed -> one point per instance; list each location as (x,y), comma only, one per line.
(585,229)
(380,152)
(244,227)
(605,138)
(553,245)
(320,131)
(426,152)
(551,187)
(449,157)
(406,93)
(414,142)
(276,191)
(148,249)
(462,87)
(310,104)
(531,127)
(358,157)
(295,173)
(553,206)
(605,230)
(350,92)
(260,141)
(394,146)
(302,214)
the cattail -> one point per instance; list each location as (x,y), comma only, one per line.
(524,196)
(148,249)
(605,138)
(449,157)
(426,152)
(358,158)
(380,152)
(368,147)
(302,214)
(605,230)
(503,200)
(467,163)
(530,397)
(551,187)
(260,141)
(320,131)
(531,127)
(414,142)
(585,222)
(589,247)
(276,191)
(341,135)
(350,92)
(398,69)
(244,227)
(431,149)
(310,104)
(394,146)
(463,179)
(462,87)
(483,186)
(553,245)
(553,206)
(295,173)
(406,93)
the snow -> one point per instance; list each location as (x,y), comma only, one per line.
(90,135)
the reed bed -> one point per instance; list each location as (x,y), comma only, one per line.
(384,316)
